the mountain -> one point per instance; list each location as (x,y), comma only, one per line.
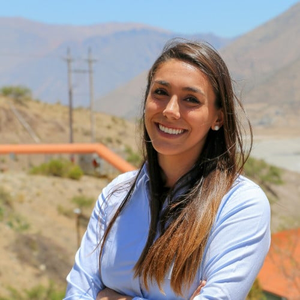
(33,54)
(267,48)
(265,63)
(128,96)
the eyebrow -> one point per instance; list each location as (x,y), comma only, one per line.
(162,82)
(188,88)
(194,90)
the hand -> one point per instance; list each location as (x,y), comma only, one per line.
(198,289)
(108,294)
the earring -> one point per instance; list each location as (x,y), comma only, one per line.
(216,128)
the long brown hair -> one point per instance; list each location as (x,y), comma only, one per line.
(185,224)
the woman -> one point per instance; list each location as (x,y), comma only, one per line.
(187,225)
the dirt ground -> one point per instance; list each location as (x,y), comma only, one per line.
(45,251)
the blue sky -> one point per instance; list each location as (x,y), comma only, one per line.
(226,18)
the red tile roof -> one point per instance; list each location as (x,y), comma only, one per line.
(280,273)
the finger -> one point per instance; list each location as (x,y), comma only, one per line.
(202,284)
(198,290)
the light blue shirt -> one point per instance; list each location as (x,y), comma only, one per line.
(233,256)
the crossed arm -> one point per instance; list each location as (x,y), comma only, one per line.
(108,294)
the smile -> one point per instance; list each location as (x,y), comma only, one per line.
(170,130)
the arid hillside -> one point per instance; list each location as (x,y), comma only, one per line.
(46,123)
(37,223)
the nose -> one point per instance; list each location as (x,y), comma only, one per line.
(172,109)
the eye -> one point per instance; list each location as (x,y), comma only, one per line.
(192,100)
(160,91)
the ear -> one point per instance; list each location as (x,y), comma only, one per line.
(218,123)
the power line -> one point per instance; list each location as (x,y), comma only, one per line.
(33,55)
(24,123)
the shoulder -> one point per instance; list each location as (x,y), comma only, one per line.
(120,180)
(115,192)
(119,185)
(246,197)
(245,190)
(124,181)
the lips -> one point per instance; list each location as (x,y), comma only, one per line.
(173,131)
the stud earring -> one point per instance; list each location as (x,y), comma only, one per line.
(216,128)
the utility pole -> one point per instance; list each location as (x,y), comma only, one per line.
(90,61)
(69,61)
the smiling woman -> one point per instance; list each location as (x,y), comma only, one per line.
(180,109)
(187,224)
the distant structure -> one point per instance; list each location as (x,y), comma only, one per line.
(280,274)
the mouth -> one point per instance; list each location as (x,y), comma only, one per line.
(173,131)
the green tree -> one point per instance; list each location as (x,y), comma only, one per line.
(18,93)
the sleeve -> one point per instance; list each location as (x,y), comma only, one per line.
(237,246)
(84,279)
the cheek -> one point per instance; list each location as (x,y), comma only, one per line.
(150,109)
(150,104)
(147,116)
(199,118)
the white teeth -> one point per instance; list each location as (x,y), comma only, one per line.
(170,130)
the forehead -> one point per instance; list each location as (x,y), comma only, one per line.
(177,65)
(181,73)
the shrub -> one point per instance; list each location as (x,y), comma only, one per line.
(265,175)
(64,211)
(6,204)
(75,172)
(256,292)
(83,201)
(38,292)
(133,157)
(18,223)
(17,93)
(108,140)
(59,168)
(261,171)
(5,197)
(8,215)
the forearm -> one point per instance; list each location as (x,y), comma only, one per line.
(108,294)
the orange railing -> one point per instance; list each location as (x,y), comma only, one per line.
(105,153)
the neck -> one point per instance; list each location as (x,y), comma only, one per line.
(173,168)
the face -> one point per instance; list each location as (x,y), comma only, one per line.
(180,110)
